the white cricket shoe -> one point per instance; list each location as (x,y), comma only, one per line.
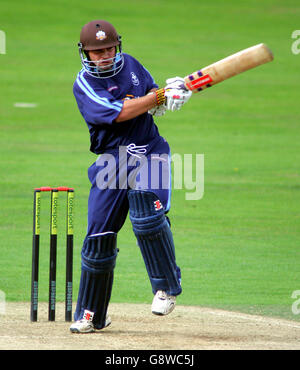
(163,303)
(85,325)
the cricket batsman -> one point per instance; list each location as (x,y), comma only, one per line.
(117,97)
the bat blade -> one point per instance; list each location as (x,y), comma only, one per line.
(228,67)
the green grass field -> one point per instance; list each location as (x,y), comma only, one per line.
(239,246)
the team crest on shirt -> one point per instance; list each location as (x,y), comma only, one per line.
(134,79)
(101,35)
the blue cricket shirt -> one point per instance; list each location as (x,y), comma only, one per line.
(100,101)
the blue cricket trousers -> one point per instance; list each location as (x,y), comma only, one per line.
(141,167)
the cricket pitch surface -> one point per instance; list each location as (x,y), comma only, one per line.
(134,327)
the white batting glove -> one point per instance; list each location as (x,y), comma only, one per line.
(175,98)
(158,111)
(175,83)
(175,93)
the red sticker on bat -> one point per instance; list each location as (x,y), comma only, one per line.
(198,82)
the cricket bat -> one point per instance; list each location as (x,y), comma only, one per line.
(225,68)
